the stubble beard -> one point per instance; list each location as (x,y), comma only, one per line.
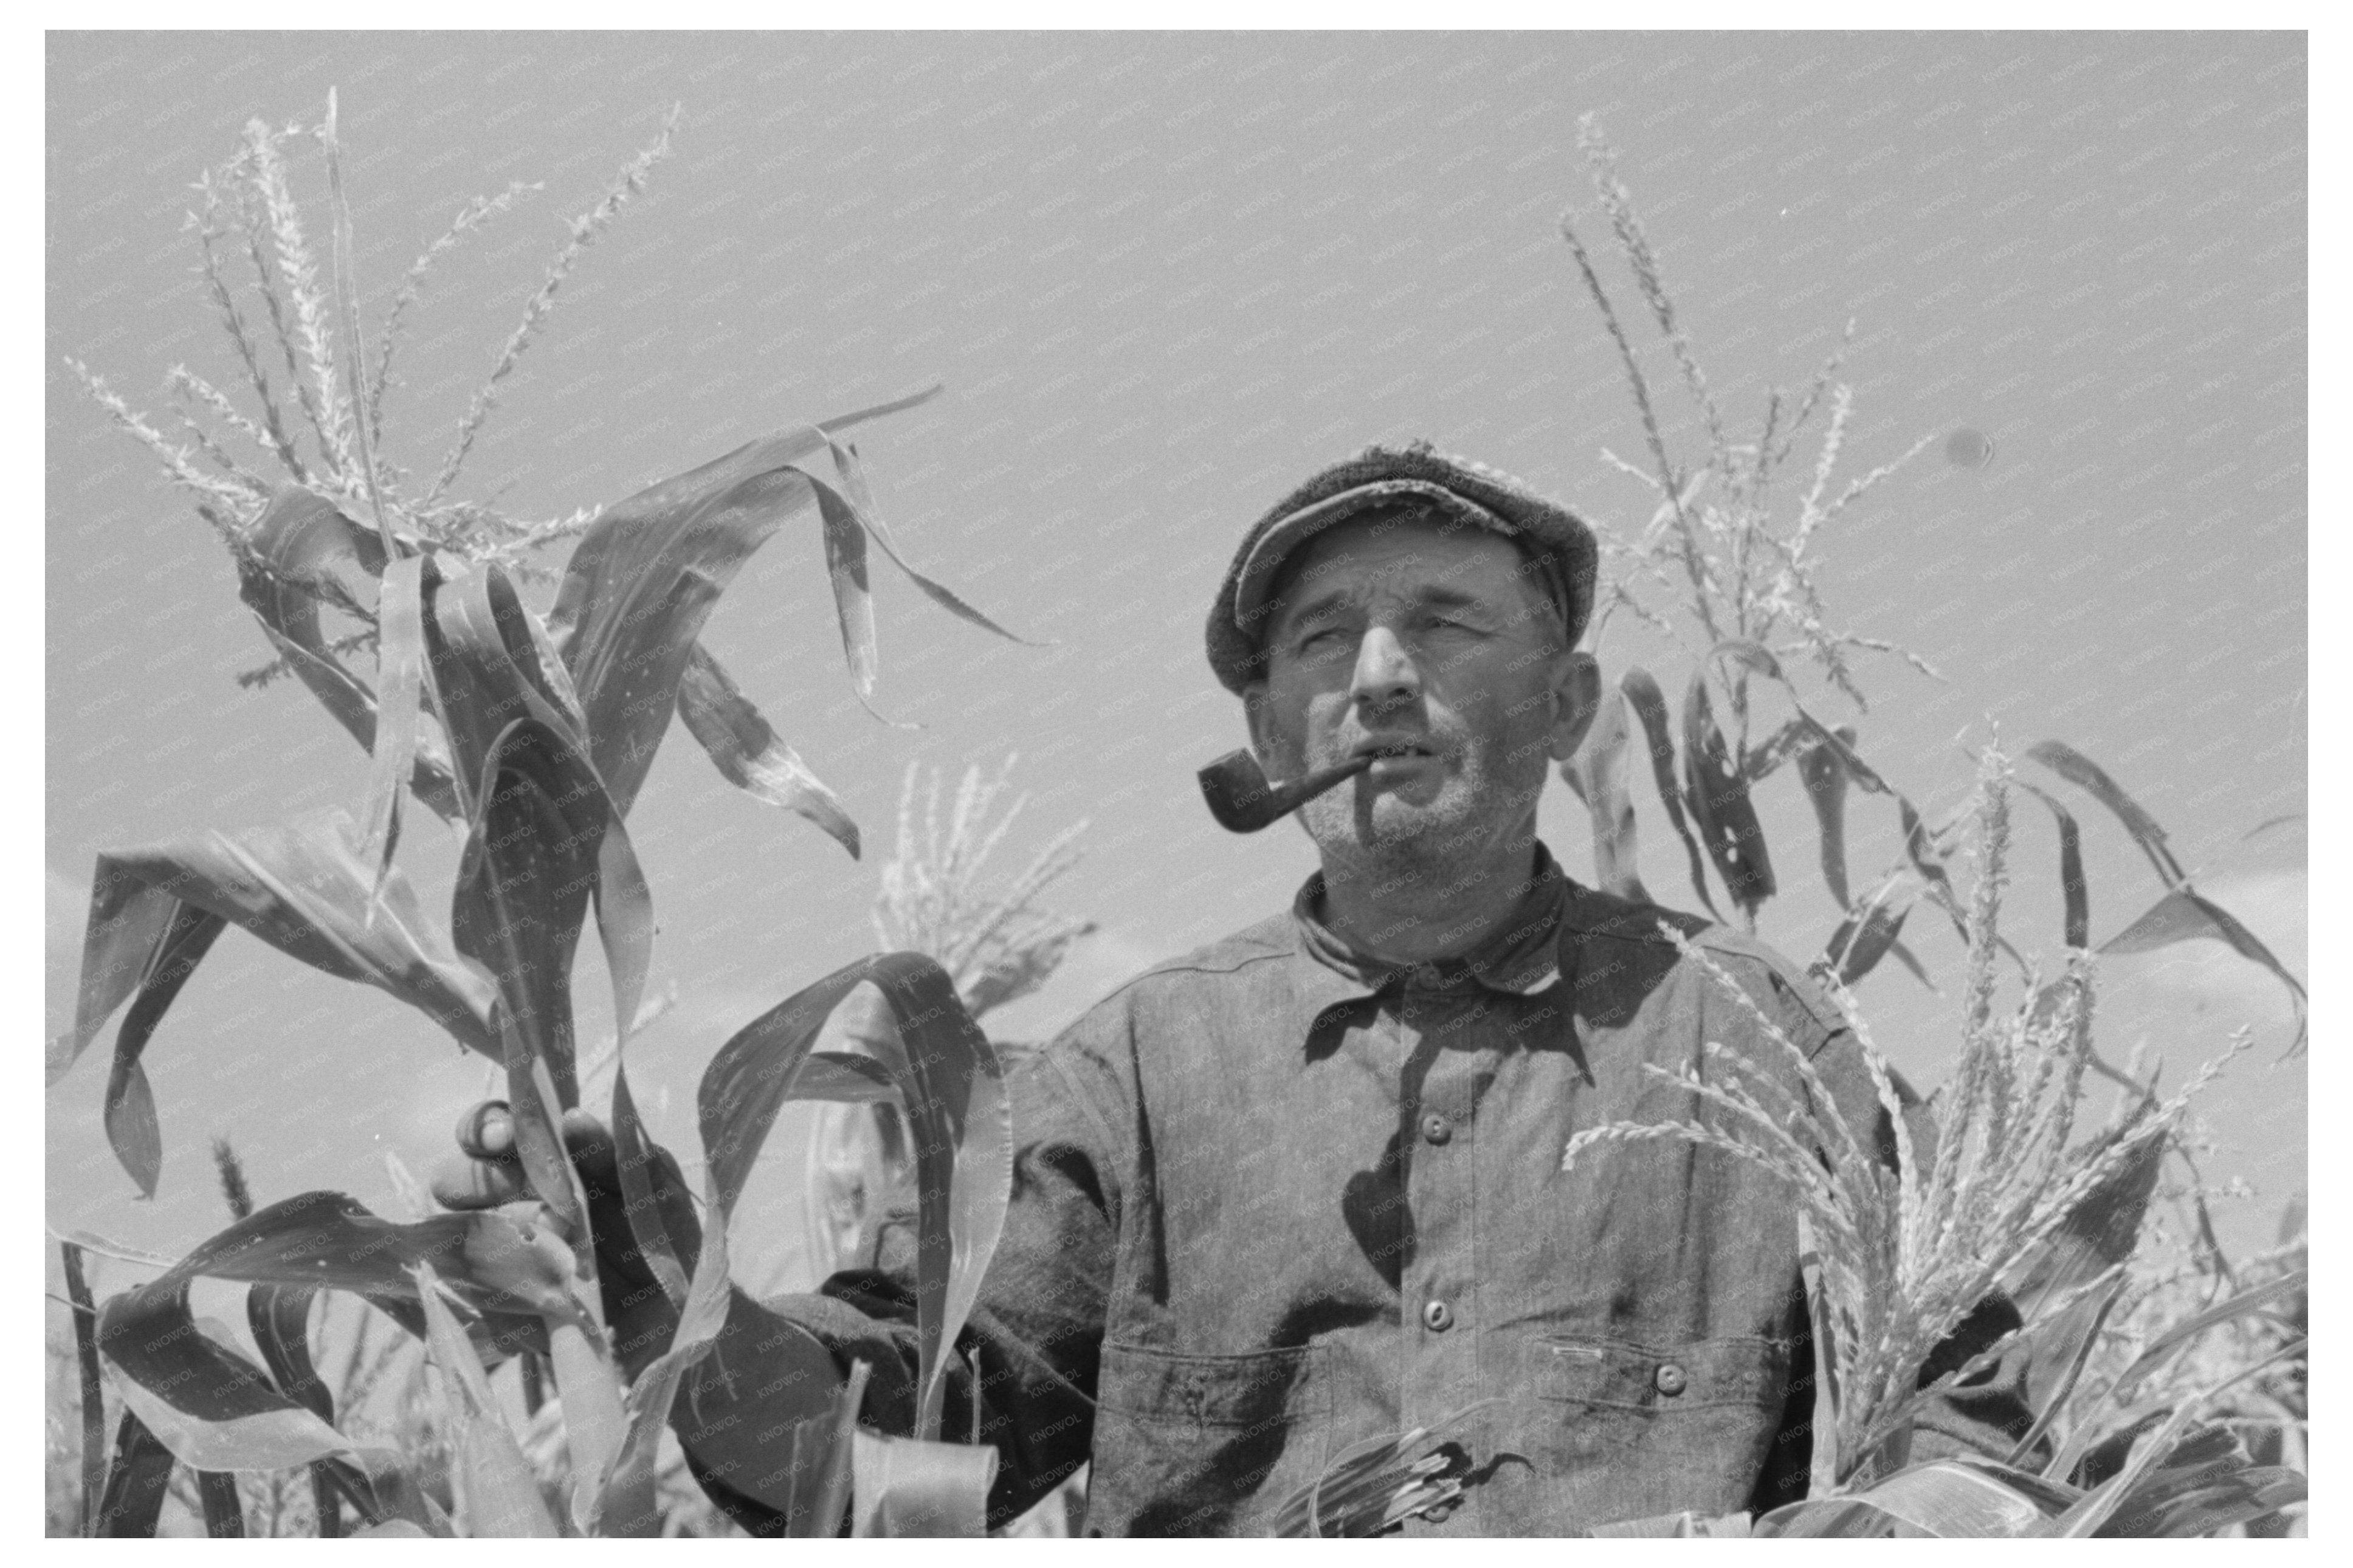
(1394,844)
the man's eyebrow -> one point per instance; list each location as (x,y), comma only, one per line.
(1436,595)
(1323,604)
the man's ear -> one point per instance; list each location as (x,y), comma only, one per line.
(1577,700)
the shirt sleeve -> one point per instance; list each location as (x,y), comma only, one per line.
(1024,1378)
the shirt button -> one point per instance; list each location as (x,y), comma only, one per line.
(1437,1317)
(1436,1128)
(1669,1379)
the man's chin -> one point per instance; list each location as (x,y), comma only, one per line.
(1391,821)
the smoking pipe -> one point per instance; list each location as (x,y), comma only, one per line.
(1242,800)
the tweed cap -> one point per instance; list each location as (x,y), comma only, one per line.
(1551,536)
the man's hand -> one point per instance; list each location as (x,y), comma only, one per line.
(765,1374)
(487,1172)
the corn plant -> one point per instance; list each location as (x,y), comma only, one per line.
(1721,577)
(1897,1258)
(532,731)
(2011,1199)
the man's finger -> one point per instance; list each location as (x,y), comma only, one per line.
(459,1183)
(485,1131)
(591,1147)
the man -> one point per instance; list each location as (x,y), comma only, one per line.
(1302,1187)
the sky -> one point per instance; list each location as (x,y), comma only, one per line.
(1164,278)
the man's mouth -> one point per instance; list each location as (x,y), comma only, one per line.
(1393,755)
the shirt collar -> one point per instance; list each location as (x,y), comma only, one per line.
(1519,959)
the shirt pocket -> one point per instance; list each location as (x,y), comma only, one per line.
(1203,1445)
(1635,1430)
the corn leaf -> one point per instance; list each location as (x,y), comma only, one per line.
(502,1494)
(298,539)
(1760,763)
(1681,1526)
(2062,1350)
(303,889)
(484,662)
(844,1080)
(2099,1233)
(545,840)
(219,1413)
(129,1107)
(951,1090)
(625,1501)
(1825,781)
(645,574)
(136,1482)
(400,663)
(2175,1461)
(2088,776)
(1650,707)
(1870,933)
(903,1488)
(747,753)
(2176,1338)
(823,1448)
(1943,1498)
(1919,848)
(92,1387)
(384,1492)
(861,500)
(1598,773)
(279,1317)
(2185,915)
(1720,806)
(224,1510)
(2076,914)
(2180,1510)
(853,589)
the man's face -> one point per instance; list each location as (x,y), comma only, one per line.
(1435,647)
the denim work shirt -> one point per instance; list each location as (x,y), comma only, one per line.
(1273,1198)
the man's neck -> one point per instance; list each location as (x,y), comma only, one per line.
(1442,905)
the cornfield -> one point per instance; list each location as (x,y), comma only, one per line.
(473,1390)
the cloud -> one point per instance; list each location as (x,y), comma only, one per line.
(2207,977)
(65,915)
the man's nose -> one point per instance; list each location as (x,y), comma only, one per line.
(1385,673)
